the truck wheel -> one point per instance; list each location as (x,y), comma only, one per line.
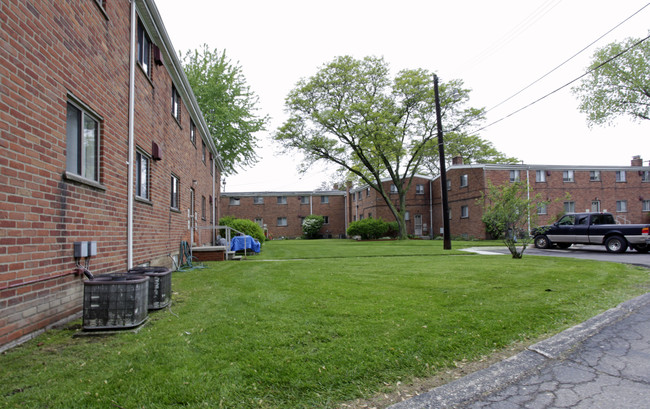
(616,244)
(542,242)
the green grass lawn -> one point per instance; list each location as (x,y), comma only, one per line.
(312,324)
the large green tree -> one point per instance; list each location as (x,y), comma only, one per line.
(228,106)
(353,114)
(618,83)
(471,148)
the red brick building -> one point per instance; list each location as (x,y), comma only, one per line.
(622,190)
(101,140)
(281,213)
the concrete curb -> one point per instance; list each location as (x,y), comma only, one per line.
(470,387)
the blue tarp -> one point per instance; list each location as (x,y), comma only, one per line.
(245,242)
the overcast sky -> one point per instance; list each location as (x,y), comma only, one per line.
(496,47)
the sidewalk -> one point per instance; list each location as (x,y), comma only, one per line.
(603,363)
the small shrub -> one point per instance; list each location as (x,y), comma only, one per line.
(312,225)
(368,229)
(245,226)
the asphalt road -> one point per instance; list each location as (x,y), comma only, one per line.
(582,251)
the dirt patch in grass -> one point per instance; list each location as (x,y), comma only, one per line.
(401,392)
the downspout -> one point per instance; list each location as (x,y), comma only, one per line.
(129,239)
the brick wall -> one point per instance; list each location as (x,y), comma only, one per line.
(292,209)
(49,56)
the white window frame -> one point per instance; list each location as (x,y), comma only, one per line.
(82,158)
(569,207)
(621,177)
(515,175)
(645,206)
(324,199)
(258,200)
(175,193)
(542,208)
(393,188)
(594,176)
(621,206)
(305,199)
(282,200)
(234,201)
(144,49)
(142,169)
(176,104)
(464,212)
(282,222)
(419,189)
(464,180)
(540,176)
(568,176)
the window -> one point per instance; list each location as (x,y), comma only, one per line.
(464,212)
(367,191)
(259,221)
(326,220)
(540,176)
(645,176)
(324,199)
(569,207)
(567,176)
(463,180)
(175,193)
(176,104)
(282,221)
(515,175)
(282,200)
(620,176)
(82,143)
(203,207)
(359,195)
(621,206)
(595,205)
(305,199)
(192,132)
(141,175)
(393,188)
(594,176)
(258,200)
(448,184)
(144,49)
(407,216)
(234,201)
(419,189)
(541,208)
(646,206)
(203,151)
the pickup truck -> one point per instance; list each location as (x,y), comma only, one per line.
(593,228)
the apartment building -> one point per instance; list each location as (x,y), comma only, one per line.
(622,190)
(281,214)
(101,141)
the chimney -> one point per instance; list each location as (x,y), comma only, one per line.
(637,161)
(457,160)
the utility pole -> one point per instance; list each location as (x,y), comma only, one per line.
(446,234)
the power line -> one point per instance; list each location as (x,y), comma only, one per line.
(565,85)
(566,61)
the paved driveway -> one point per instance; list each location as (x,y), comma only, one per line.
(580,251)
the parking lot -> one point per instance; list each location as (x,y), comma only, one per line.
(581,251)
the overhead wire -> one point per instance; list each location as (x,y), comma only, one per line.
(565,85)
(569,59)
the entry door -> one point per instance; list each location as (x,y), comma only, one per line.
(418,225)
